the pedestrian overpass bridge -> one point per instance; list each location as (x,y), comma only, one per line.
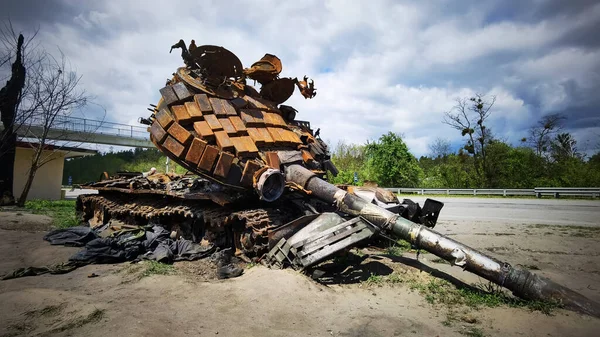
(74,129)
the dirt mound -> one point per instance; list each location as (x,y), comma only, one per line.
(21,221)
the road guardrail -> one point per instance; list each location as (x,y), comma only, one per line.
(539,192)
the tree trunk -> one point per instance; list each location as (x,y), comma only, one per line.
(7,167)
(23,197)
(10,97)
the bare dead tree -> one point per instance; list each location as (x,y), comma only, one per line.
(439,148)
(469,116)
(14,52)
(542,133)
(54,95)
(49,94)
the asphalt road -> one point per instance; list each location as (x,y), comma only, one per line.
(504,210)
(519,211)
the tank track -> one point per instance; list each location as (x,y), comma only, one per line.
(201,221)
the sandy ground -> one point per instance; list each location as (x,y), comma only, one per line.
(264,302)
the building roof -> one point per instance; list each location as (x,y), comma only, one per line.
(69,152)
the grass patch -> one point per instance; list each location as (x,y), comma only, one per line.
(438,291)
(94,317)
(62,212)
(441,292)
(375,280)
(472,332)
(572,230)
(399,247)
(48,311)
(157,268)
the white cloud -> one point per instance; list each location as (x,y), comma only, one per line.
(378,66)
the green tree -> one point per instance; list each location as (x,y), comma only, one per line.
(391,164)
(469,117)
(349,158)
(564,146)
(541,134)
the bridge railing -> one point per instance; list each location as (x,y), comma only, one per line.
(593,192)
(76,124)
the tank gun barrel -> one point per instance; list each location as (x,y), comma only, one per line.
(521,282)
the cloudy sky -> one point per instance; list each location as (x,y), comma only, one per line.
(377,65)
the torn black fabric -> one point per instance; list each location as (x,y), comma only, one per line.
(73,236)
(108,250)
(124,245)
(61,268)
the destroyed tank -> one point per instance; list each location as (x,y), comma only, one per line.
(234,141)
(258,180)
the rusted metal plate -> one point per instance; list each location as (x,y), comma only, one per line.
(266,136)
(195,151)
(252,117)
(229,109)
(181,114)
(227,126)
(178,132)
(256,136)
(290,136)
(218,106)
(173,146)
(274,119)
(296,138)
(307,157)
(273,160)
(213,122)
(223,141)
(203,129)
(277,137)
(254,103)
(168,95)
(203,102)
(249,145)
(208,158)
(223,165)
(268,119)
(237,123)
(164,118)
(181,91)
(284,135)
(158,132)
(239,146)
(249,169)
(194,111)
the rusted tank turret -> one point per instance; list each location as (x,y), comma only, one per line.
(214,124)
